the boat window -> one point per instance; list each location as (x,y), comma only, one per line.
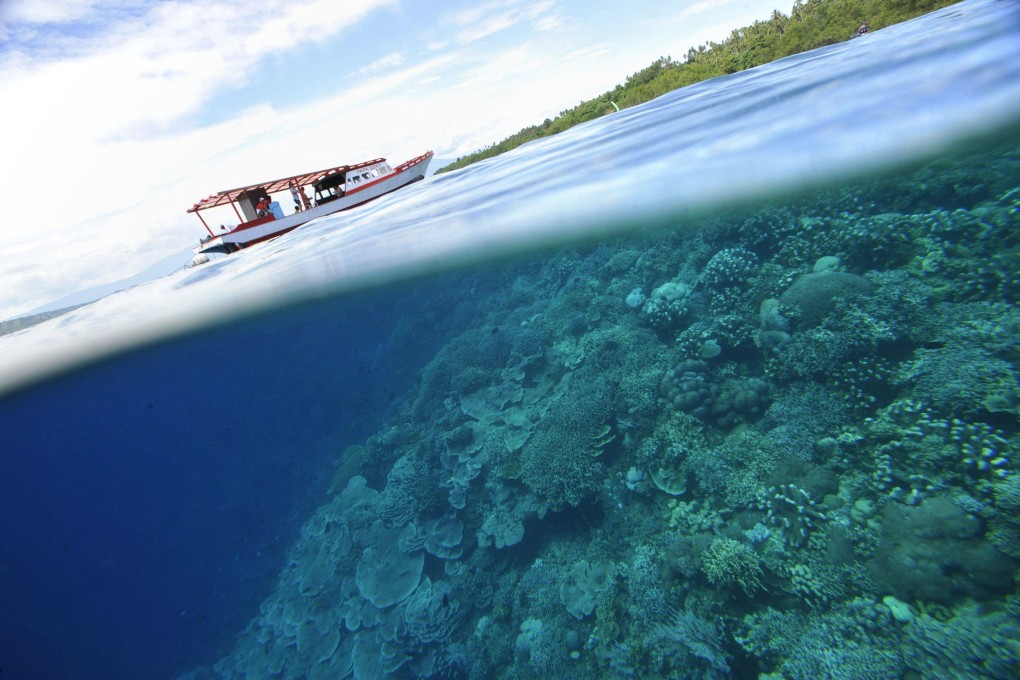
(365,176)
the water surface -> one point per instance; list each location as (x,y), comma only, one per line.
(557,410)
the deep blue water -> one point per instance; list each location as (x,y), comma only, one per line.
(151,488)
(148,500)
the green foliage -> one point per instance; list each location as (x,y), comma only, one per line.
(811,24)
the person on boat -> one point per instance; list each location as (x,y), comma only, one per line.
(262,208)
(307,202)
(296,195)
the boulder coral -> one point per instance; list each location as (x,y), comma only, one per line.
(933,552)
(668,306)
(814,296)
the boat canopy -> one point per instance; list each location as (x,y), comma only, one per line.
(282,184)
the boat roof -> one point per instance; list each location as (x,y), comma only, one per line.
(273,186)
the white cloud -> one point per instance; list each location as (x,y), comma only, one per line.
(589,52)
(90,121)
(389,61)
(483,20)
(485,27)
(51,11)
(398,114)
(107,143)
(699,8)
(548,23)
(159,67)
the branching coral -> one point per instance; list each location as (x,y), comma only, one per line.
(727,562)
(698,636)
(793,511)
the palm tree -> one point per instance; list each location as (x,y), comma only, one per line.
(777,21)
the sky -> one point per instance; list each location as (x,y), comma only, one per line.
(117,116)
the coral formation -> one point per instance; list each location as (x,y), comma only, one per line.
(792,511)
(814,296)
(727,562)
(582,585)
(668,305)
(792,459)
(729,267)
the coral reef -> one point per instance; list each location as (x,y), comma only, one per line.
(792,459)
(668,306)
(727,562)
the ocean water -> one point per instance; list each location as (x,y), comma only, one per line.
(724,385)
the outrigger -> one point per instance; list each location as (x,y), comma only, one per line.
(335,189)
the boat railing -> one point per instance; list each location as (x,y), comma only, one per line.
(414,161)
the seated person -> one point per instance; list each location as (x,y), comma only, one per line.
(262,208)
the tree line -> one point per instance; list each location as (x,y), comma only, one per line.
(810,24)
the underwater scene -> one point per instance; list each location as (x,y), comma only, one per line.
(773,437)
(781,447)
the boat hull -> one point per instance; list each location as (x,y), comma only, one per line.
(268,227)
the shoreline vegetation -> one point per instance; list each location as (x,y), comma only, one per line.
(810,24)
(22,322)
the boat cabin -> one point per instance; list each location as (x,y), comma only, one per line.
(330,187)
(341,181)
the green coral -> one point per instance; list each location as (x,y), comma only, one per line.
(727,562)
(970,645)
(854,641)
(559,463)
(1004,526)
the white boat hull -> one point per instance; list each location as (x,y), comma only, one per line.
(247,234)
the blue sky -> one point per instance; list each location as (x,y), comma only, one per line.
(119,115)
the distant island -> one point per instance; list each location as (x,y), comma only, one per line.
(23,322)
(810,24)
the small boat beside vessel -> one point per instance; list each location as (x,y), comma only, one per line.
(334,189)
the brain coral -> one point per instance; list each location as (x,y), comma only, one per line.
(933,551)
(815,295)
